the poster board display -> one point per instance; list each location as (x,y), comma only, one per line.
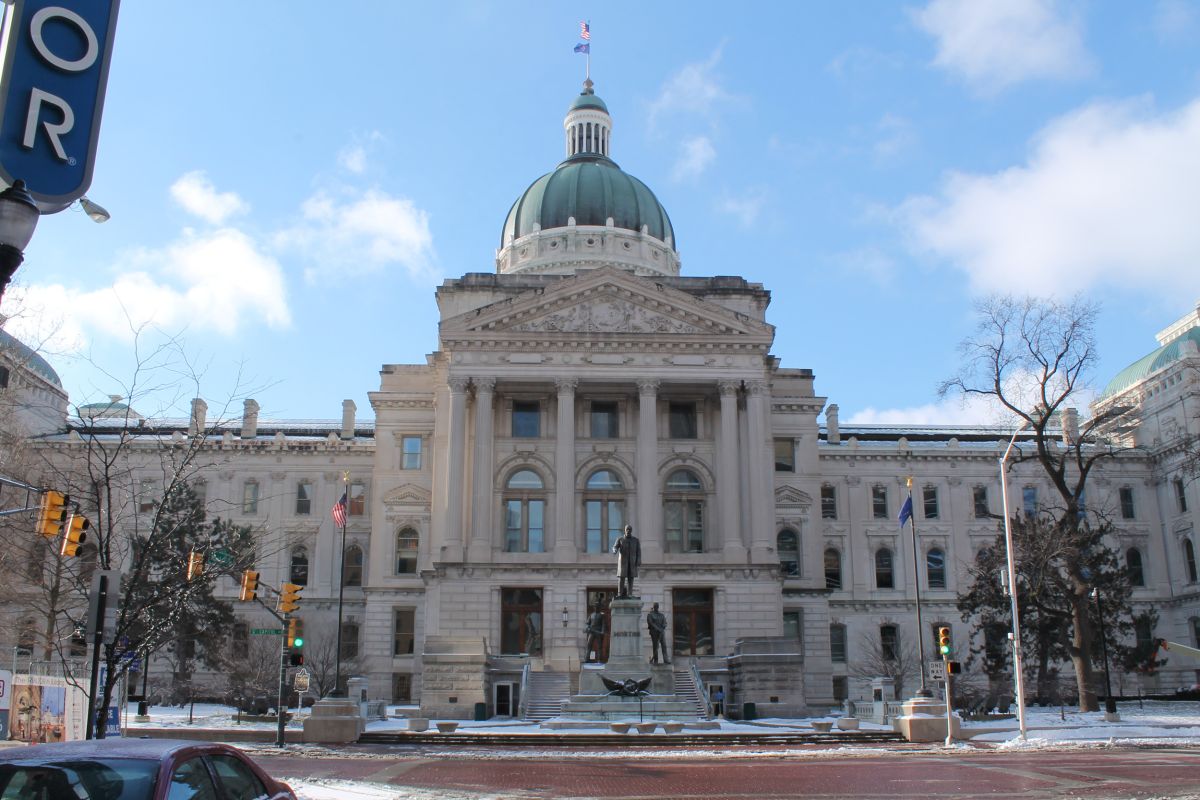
(46,709)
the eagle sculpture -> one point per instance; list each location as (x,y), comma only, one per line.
(628,687)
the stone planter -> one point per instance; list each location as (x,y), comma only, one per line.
(847,723)
(646,727)
(822,727)
(447,727)
(418,724)
(673,727)
(619,727)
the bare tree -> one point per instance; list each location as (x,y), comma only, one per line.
(1033,357)
(897,661)
(320,650)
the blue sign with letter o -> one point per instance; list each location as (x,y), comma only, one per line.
(54,77)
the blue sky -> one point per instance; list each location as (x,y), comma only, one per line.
(289,182)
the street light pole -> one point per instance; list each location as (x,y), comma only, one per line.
(19,216)
(1110,705)
(1018,676)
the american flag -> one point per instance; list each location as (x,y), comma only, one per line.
(339,512)
(585,30)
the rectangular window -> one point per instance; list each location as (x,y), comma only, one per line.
(250,497)
(303,498)
(404,631)
(240,641)
(1127,508)
(840,688)
(828,502)
(879,502)
(692,622)
(407,541)
(521,621)
(793,626)
(604,420)
(524,526)
(1029,500)
(1180,496)
(930,496)
(605,520)
(350,635)
(837,644)
(889,642)
(682,420)
(148,497)
(785,455)
(358,499)
(410,447)
(979,498)
(401,687)
(526,419)
(684,526)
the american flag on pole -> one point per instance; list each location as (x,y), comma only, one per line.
(339,512)
(585,30)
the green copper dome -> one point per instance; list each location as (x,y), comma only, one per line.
(590,188)
(588,99)
(1147,365)
(20,353)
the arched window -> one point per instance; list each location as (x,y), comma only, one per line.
(833,569)
(883,569)
(350,636)
(1133,567)
(524,513)
(299,570)
(683,506)
(935,568)
(787,543)
(603,511)
(352,566)
(407,540)
(1189,558)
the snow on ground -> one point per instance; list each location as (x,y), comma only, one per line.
(1149,723)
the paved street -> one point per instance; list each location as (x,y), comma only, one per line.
(1092,773)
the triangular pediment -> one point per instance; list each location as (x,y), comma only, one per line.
(607,301)
(407,495)
(791,496)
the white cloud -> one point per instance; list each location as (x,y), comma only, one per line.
(361,234)
(695,89)
(195,192)
(354,157)
(993,45)
(745,208)
(1108,195)
(696,154)
(216,282)
(951,411)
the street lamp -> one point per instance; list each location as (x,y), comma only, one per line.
(1110,704)
(18,218)
(95,211)
(1018,677)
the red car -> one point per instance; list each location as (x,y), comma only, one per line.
(135,769)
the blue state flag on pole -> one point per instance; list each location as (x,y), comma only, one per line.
(906,512)
(583,47)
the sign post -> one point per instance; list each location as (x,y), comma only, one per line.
(54,76)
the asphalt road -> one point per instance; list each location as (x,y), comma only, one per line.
(900,773)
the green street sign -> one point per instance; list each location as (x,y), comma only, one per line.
(223,557)
(266,631)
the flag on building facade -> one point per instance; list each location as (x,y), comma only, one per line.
(339,512)
(906,511)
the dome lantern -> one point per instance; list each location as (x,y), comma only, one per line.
(587,125)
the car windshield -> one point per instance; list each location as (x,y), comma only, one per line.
(82,779)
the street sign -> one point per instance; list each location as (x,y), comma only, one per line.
(937,670)
(266,631)
(300,682)
(223,556)
(55,72)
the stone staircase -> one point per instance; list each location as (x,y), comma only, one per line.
(546,693)
(685,688)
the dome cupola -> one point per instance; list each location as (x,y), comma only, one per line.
(588,212)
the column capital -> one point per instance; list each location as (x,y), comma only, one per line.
(458,385)
(756,387)
(727,388)
(566,385)
(484,384)
(648,385)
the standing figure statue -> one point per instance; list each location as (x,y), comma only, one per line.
(656,621)
(595,635)
(629,558)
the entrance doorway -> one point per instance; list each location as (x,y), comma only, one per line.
(506,699)
(598,598)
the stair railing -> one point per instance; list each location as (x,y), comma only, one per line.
(523,706)
(699,682)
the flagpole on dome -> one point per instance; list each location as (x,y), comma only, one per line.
(341,515)
(906,513)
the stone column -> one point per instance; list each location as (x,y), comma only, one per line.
(565,535)
(761,491)
(452,550)
(479,548)
(649,510)
(728,491)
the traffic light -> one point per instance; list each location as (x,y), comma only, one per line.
(249,586)
(944,641)
(52,513)
(195,565)
(289,597)
(74,535)
(295,633)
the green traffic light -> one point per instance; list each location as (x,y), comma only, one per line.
(945,650)
(297,642)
